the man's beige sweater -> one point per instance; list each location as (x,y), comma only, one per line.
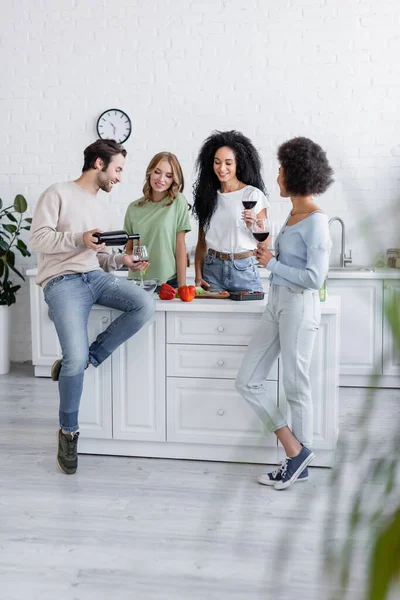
(62,215)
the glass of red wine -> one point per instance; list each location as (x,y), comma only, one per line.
(260,229)
(248,201)
(140,254)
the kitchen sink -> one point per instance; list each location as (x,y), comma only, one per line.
(353,268)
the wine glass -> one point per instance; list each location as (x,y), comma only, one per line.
(140,254)
(260,229)
(247,201)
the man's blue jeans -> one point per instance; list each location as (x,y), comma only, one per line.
(70,299)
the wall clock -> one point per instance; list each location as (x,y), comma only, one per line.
(114,124)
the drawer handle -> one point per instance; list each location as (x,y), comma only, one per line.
(104,319)
(220,328)
(220,363)
(220,412)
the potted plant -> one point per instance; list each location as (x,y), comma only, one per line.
(11,225)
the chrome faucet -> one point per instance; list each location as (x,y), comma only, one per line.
(344,260)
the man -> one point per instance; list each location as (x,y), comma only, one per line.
(71,270)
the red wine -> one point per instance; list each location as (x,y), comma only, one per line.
(115,238)
(249,204)
(261,236)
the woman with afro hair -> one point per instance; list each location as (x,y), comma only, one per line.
(228,171)
(291,319)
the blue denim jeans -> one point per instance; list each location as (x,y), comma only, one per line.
(288,327)
(240,275)
(70,299)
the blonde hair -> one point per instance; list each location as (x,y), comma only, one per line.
(177,178)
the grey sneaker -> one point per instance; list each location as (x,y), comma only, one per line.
(67,453)
(274,476)
(293,467)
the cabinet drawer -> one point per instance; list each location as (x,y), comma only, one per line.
(220,362)
(214,328)
(210,411)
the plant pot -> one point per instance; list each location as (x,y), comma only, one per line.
(5,320)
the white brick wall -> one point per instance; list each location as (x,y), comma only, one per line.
(322,68)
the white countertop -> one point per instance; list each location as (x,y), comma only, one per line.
(225,305)
(330,307)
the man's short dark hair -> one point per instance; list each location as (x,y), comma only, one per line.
(104,149)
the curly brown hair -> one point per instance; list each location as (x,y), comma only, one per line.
(306,170)
(177,175)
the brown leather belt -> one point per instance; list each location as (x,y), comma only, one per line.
(226,256)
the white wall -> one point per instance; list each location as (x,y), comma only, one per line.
(180,68)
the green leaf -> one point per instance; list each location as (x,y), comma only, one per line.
(16,271)
(21,244)
(5,235)
(1,268)
(23,252)
(385,563)
(20,204)
(28,219)
(3,245)
(1,203)
(10,258)
(28,227)
(10,228)
(11,217)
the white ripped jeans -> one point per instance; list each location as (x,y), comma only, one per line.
(288,327)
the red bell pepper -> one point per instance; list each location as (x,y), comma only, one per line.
(187,293)
(167,292)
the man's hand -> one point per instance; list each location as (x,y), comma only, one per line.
(90,241)
(263,255)
(134,266)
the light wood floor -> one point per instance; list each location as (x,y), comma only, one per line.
(144,529)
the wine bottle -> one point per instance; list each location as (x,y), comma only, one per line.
(115,238)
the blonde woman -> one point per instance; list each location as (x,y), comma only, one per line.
(161,217)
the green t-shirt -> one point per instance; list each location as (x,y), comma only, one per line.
(158,226)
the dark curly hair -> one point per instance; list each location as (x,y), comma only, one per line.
(306,170)
(207,184)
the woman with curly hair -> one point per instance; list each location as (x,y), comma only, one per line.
(228,171)
(291,319)
(162,219)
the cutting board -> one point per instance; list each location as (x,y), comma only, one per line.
(213,296)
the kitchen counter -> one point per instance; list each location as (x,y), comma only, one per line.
(199,305)
(169,390)
(225,305)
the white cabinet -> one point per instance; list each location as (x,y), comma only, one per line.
(95,413)
(217,362)
(138,368)
(391,351)
(360,326)
(169,390)
(210,411)
(45,346)
(211,328)
(204,353)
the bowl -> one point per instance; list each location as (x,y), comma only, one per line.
(150,285)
